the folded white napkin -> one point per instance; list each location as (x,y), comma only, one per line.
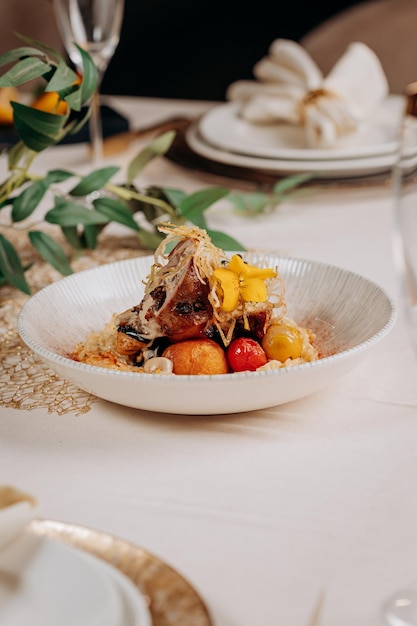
(290,87)
(17,509)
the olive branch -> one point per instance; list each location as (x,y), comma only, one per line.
(82,206)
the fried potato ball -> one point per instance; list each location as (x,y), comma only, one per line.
(197,357)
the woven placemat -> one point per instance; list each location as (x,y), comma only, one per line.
(25,382)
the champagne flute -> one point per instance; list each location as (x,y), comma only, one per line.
(95,26)
(405,214)
(401,608)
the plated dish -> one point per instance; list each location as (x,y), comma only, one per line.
(224,129)
(45,583)
(202,312)
(323,168)
(346,312)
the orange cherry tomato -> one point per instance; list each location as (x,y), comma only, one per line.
(245,354)
(282,342)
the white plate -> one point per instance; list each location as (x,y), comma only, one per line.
(134,607)
(223,128)
(337,168)
(168,594)
(45,583)
(348,313)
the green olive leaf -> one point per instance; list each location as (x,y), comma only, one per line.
(174,196)
(50,251)
(149,240)
(24,71)
(199,220)
(11,267)
(116,211)
(37,129)
(224,241)
(62,79)
(157,148)
(42,121)
(72,236)
(94,181)
(290,182)
(57,176)
(25,203)
(33,140)
(192,207)
(17,54)
(39,46)
(74,100)
(89,82)
(89,237)
(250,203)
(67,213)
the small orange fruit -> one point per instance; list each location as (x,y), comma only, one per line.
(7,94)
(50,103)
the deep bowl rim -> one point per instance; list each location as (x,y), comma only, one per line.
(68,363)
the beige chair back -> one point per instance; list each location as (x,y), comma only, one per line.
(388,27)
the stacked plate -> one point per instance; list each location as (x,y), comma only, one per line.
(223,136)
(45,583)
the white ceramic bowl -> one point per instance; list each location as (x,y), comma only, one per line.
(348,313)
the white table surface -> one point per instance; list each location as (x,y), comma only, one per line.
(260,511)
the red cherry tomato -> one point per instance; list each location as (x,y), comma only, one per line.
(245,353)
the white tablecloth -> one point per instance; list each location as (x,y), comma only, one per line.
(260,511)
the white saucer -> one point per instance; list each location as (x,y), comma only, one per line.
(224,129)
(45,583)
(332,168)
